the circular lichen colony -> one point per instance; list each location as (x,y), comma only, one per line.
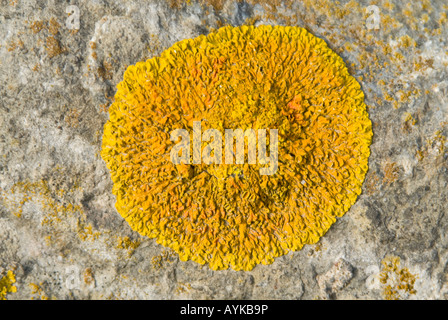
(229,215)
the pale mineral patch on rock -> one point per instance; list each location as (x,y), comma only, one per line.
(335,279)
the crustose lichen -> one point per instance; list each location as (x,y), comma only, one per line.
(239,77)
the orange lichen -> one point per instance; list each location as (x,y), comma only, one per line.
(72,118)
(406,41)
(85,232)
(409,121)
(372,183)
(53,47)
(104,107)
(89,277)
(6,285)
(128,244)
(36,289)
(239,77)
(38,192)
(183,288)
(13,45)
(36,67)
(166,256)
(53,26)
(398,283)
(434,146)
(391,173)
(37,26)
(105,71)
(58,210)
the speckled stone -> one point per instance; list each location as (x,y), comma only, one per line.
(59,229)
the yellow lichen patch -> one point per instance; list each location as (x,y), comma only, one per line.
(53,47)
(228,215)
(53,26)
(182,288)
(372,183)
(36,67)
(406,41)
(104,72)
(105,107)
(166,256)
(36,289)
(13,45)
(38,192)
(391,173)
(128,244)
(434,146)
(85,232)
(409,122)
(37,26)
(443,20)
(398,283)
(6,285)
(89,277)
(72,118)
(52,206)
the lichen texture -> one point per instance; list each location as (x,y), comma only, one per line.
(6,285)
(228,215)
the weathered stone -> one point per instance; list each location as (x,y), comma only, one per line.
(57,214)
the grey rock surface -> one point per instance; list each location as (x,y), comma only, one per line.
(59,230)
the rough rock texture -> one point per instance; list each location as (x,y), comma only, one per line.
(59,231)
